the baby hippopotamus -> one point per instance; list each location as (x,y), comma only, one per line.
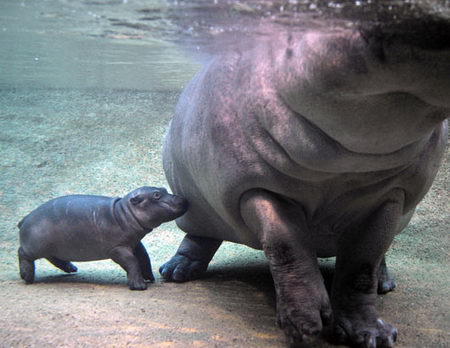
(88,228)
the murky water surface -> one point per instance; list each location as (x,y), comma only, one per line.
(136,44)
(82,44)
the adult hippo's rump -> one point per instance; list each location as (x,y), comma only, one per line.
(311,145)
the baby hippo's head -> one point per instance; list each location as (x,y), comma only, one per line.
(152,206)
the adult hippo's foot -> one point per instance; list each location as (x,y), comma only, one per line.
(191,260)
(362,328)
(386,282)
(356,322)
(181,268)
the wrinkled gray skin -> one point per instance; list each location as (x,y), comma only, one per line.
(311,145)
(87,228)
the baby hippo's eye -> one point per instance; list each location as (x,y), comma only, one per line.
(157,195)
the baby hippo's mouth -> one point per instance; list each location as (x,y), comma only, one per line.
(178,205)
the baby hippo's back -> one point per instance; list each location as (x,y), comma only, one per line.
(72,228)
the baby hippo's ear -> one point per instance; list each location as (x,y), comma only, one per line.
(136,199)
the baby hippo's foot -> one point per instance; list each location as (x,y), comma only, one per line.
(362,329)
(71,268)
(181,268)
(148,276)
(137,284)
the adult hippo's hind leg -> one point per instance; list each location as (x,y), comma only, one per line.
(191,260)
(303,306)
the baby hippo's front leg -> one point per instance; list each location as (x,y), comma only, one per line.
(144,262)
(303,307)
(125,257)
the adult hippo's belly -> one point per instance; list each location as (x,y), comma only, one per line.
(220,149)
(310,144)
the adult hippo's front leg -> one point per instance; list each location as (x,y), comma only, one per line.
(303,307)
(360,253)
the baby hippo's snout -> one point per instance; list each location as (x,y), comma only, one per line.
(178,204)
(158,206)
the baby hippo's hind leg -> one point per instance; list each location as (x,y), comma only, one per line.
(66,266)
(26,266)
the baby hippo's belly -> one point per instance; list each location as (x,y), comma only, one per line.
(67,241)
(81,250)
(85,241)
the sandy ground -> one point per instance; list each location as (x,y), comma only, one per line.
(61,142)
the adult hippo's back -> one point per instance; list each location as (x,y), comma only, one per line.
(312,144)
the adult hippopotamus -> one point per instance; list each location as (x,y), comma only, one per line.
(313,144)
(89,227)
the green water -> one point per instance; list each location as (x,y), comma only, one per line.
(77,45)
(84,105)
(87,89)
